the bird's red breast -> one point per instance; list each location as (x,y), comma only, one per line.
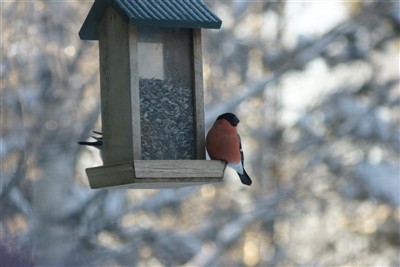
(222,142)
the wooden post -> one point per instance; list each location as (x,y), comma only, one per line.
(119,89)
(199,94)
(135,93)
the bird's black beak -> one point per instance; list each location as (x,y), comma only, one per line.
(235,121)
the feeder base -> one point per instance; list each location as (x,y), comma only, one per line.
(155,174)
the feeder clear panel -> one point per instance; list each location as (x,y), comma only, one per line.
(166,88)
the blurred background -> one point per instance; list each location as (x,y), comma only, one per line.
(316,86)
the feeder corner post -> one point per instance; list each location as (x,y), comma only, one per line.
(119,85)
(199,94)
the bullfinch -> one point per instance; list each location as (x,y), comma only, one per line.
(223,143)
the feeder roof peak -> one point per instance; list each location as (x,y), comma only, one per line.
(152,13)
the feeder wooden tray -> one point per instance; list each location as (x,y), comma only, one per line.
(157,173)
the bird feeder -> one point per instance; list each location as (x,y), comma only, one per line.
(151,83)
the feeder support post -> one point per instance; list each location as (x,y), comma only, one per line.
(119,85)
(199,95)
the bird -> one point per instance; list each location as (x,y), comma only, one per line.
(223,143)
(97,144)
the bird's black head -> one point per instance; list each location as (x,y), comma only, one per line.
(230,117)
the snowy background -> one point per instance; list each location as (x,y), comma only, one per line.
(316,86)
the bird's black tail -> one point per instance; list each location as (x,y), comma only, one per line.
(97,144)
(245,178)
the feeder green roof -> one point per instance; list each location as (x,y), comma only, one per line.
(151,13)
